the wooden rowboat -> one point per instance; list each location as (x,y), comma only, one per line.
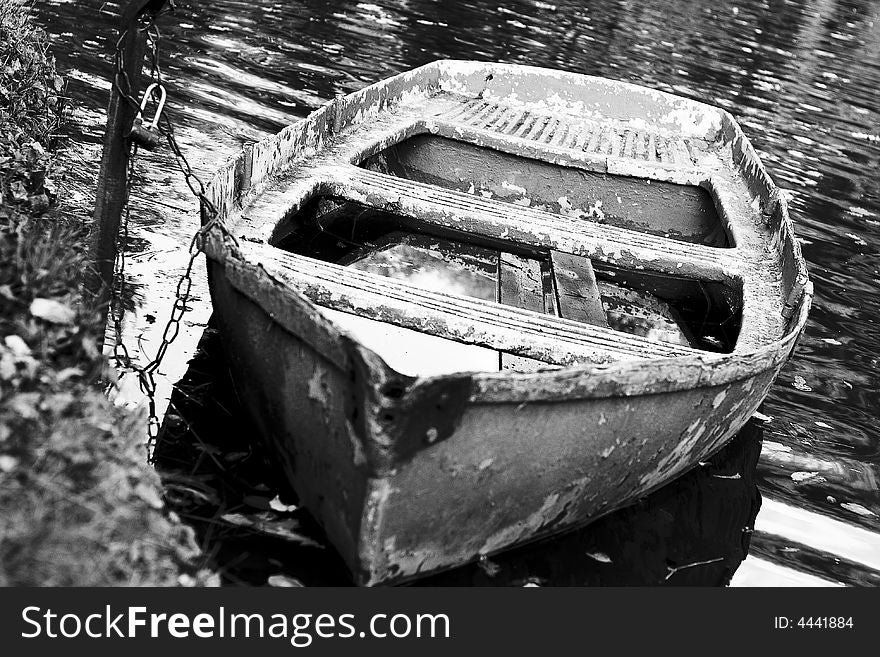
(478,304)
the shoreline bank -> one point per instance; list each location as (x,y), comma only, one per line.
(79,502)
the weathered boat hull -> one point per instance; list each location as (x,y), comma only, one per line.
(408,474)
(506,472)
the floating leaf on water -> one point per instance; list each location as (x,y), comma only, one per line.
(802,476)
(284,529)
(761,417)
(800,383)
(601,557)
(859,509)
(284,581)
(277,505)
(832,341)
(824,425)
(52,311)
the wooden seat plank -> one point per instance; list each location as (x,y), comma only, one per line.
(579,297)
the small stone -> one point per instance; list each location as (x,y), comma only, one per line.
(52,311)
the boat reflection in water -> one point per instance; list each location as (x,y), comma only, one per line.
(694,531)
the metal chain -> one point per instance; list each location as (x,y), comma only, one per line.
(146,373)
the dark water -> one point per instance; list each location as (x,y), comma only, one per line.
(801,76)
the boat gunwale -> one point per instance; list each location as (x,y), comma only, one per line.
(577,382)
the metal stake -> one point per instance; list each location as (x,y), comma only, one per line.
(112,189)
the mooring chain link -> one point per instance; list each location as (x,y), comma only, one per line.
(146,373)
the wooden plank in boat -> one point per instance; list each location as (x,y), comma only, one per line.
(522,284)
(497,220)
(471,321)
(579,297)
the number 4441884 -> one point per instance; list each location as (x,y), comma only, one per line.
(814,622)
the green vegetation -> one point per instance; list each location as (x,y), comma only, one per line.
(78,503)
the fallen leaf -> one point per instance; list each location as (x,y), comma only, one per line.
(601,557)
(149,495)
(17,346)
(284,529)
(52,311)
(277,505)
(859,509)
(284,581)
(8,463)
(800,383)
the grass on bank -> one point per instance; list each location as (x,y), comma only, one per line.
(78,503)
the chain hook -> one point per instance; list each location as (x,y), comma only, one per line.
(147,135)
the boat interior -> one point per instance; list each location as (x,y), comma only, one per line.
(451,232)
(704,315)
